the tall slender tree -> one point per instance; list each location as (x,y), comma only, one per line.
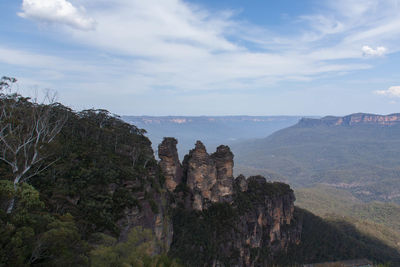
(26,126)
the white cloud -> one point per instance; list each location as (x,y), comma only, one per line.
(393,91)
(369,51)
(186,47)
(57,11)
(155,46)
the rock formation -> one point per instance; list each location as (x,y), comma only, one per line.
(268,226)
(269,223)
(241,183)
(245,222)
(210,177)
(200,174)
(223,159)
(169,162)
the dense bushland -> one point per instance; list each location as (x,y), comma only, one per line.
(76,190)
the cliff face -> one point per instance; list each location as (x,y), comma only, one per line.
(222,221)
(266,225)
(169,163)
(149,209)
(354,119)
(201,175)
(148,213)
(223,159)
(209,177)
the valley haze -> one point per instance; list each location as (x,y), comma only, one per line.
(212,130)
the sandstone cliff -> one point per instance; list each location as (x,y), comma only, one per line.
(169,163)
(210,177)
(354,119)
(222,221)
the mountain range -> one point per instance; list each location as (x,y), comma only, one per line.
(358,152)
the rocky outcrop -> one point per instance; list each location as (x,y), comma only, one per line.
(354,119)
(209,177)
(223,189)
(268,222)
(200,174)
(169,163)
(222,221)
(241,183)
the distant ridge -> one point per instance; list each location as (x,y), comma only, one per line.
(213,130)
(358,152)
(353,119)
(211,119)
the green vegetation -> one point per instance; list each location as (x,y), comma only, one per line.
(138,250)
(90,173)
(97,156)
(256,192)
(323,200)
(335,239)
(376,219)
(199,236)
(362,159)
(31,235)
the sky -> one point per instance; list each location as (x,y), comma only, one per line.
(207,57)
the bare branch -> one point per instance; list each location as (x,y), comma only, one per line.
(25,127)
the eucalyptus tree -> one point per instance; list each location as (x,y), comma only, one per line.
(26,126)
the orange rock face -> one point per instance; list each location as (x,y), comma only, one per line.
(169,163)
(210,177)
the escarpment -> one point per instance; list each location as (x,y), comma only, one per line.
(222,221)
(353,120)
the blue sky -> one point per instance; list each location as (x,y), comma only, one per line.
(206,57)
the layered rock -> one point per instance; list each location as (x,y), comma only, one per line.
(223,159)
(209,177)
(266,225)
(200,174)
(269,221)
(169,163)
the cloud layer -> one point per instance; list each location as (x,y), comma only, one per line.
(57,11)
(184,47)
(379,51)
(393,91)
(174,48)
